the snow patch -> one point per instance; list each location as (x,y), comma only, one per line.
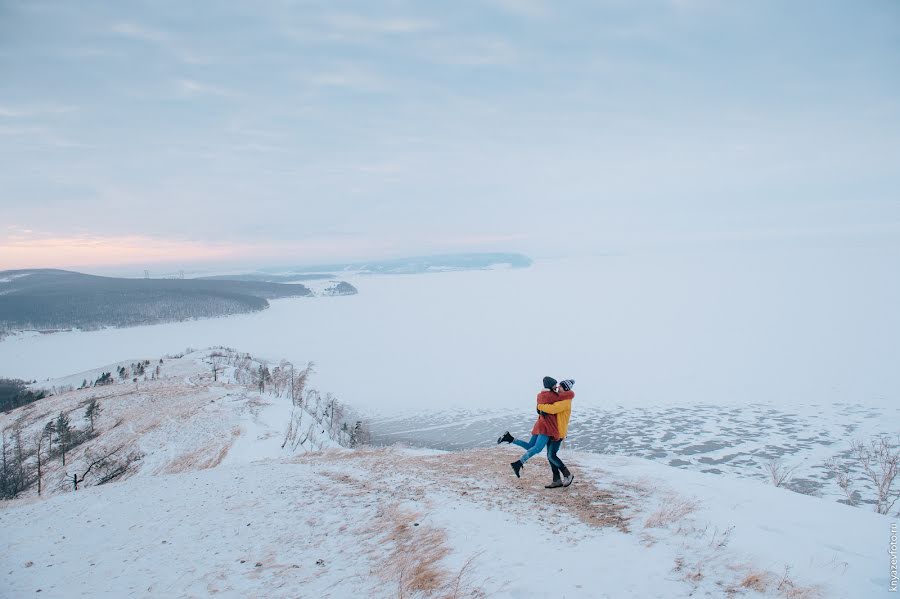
(11,278)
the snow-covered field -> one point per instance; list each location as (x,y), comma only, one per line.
(217,506)
(390,522)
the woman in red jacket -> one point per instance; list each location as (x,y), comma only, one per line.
(545,429)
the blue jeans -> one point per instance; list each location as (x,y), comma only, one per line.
(552,448)
(537,442)
(556,464)
(525,444)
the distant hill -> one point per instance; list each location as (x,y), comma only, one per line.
(423,264)
(47,299)
(268,278)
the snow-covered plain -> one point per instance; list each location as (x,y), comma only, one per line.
(258,521)
(810,326)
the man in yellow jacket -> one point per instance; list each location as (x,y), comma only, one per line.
(563,410)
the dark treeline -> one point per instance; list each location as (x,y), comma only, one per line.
(15,393)
(268,278)
(57,299)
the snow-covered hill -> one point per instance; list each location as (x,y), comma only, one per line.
(171,414)
(216,505)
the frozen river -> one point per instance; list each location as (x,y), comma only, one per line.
(780,328)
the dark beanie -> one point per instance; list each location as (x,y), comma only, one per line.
(549,382)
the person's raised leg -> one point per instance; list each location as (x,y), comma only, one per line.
(508,438)
(525,444)
(540,441)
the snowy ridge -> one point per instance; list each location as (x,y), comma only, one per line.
(393,521)
(219,504)
(172,417)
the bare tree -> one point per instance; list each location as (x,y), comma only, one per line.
(282,377)
(49,429)
(778,472)
(39,444)
(21,473)
(5,470)
(262,377)
(216,361)
(110,465)
(841,472)
(302,441)
(63,433)
(92,411)
(359,434)
(15,475)
(331,405)
(299,382)
(879,460)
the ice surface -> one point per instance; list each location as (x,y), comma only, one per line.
(813,326)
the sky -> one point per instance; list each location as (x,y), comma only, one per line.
(291,132)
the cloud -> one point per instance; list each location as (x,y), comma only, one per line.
(348,77)
(10,113)
(474,52)
(858,230)
(40,137)
(529,9)
(162,39)
(192,87)
(477,241)
(34,110)
(21,131)
(140,32)
(384,26)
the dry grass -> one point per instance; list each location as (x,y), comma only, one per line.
(413,560)
(408,554)
(335,455)
(202,458)
(772,584)
(673,510)
(756,581)
(484,476)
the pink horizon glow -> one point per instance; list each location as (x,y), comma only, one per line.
(31,251)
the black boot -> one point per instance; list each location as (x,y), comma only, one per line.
(556,481)
(506,438)
(516,466)
(567,477)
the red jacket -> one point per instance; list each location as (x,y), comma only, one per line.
(546,423)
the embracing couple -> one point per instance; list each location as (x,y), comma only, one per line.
(554,406)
